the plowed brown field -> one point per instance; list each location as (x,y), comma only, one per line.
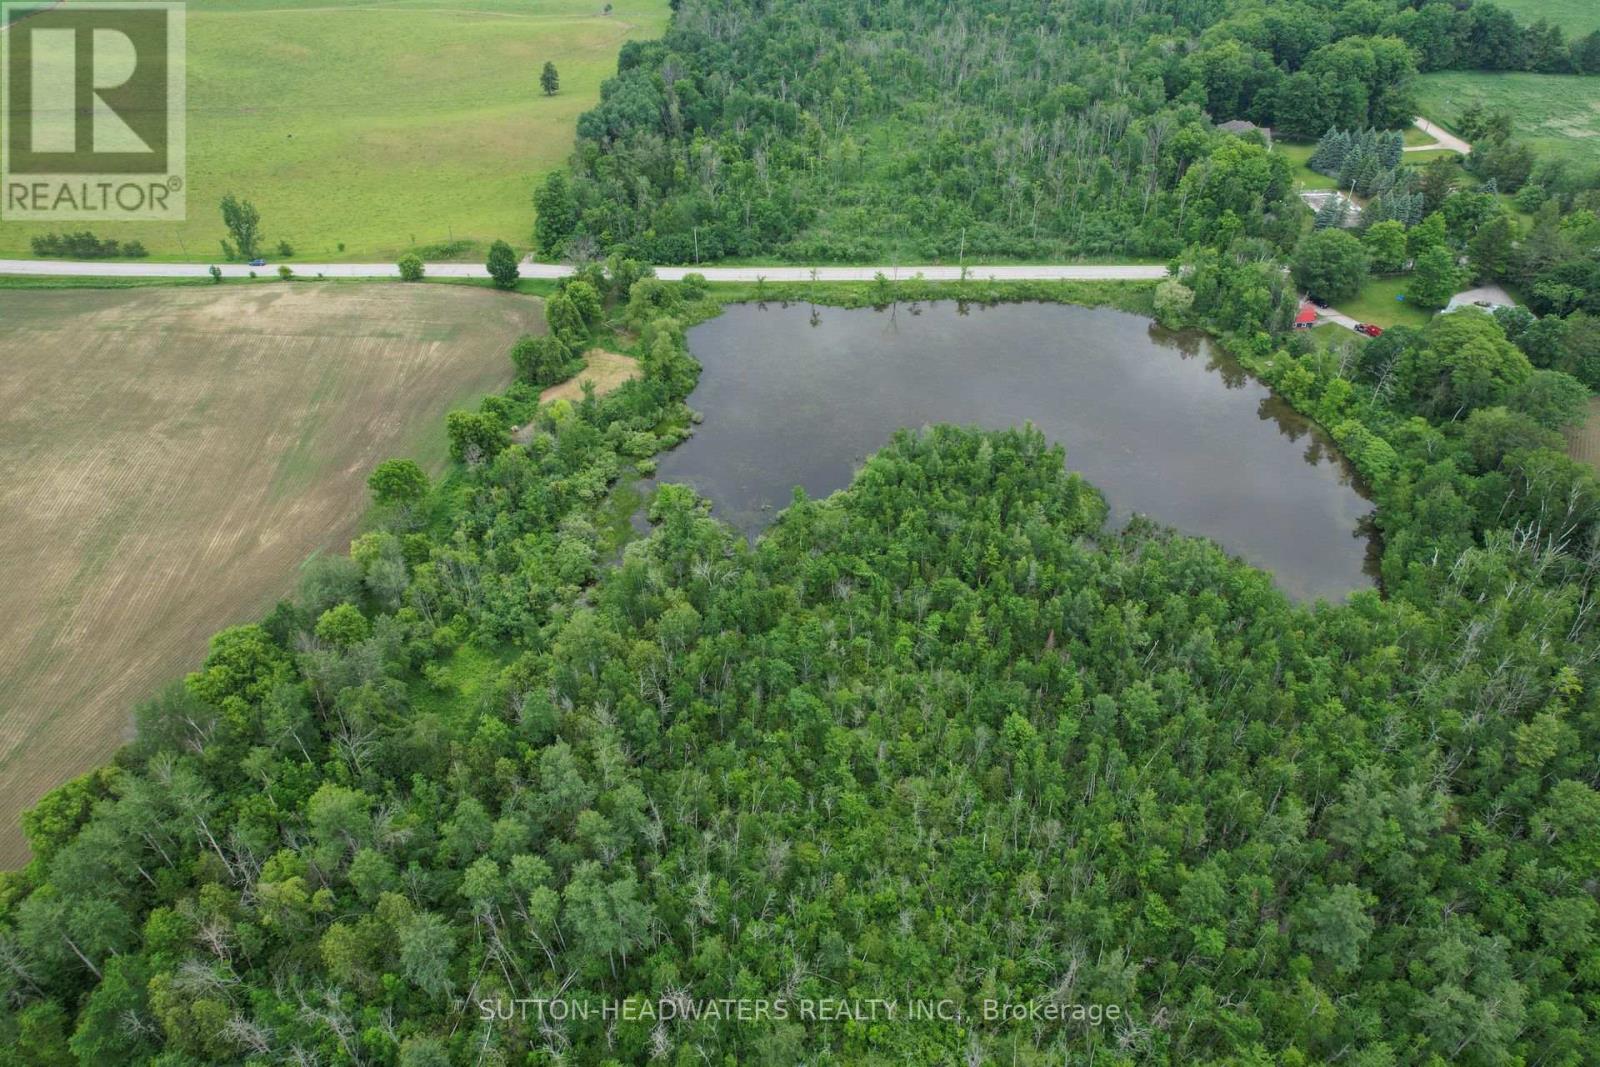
(171,456)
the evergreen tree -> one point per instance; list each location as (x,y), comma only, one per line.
(1334,212)
(556,215)
(1391,150)
(1323,157)
(1332,151)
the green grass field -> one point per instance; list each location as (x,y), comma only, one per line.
(1557,114)
(379,124)
(1304,176)
(1577,17)
(1330,337)
(1377,303)
(1422,159)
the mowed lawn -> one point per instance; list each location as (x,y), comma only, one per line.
(380,124)
(1299,157)
(1556,114)
(1379,303)
(173,455)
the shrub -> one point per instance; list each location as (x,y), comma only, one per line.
(586,300)
(502,265)
(411,268)
(1374,457)
(566,321)
(693,285)
(474,436)
(83,245)
(543,361)
(397,482)
(1173,302)
(623,272)
(443,249)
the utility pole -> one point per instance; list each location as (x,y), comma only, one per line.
(961,256)
(697,246)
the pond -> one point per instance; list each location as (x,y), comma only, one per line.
(1162,422)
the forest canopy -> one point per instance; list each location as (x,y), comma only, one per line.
(861,129)
(943,735)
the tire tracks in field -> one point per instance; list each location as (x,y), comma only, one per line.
(151,524)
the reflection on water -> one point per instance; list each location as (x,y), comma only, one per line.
(1163,422)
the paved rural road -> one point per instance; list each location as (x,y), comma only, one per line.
(1111,272)
(1444,137)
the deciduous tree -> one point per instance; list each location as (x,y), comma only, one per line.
(1330,264)
(502,265)
(243,223)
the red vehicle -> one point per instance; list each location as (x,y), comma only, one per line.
(1369,329)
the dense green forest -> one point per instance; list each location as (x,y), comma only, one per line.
(859,129)
(945,735)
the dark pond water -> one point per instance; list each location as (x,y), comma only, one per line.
(1161,422)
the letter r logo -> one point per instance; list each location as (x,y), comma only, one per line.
(92,110)
(90,88)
